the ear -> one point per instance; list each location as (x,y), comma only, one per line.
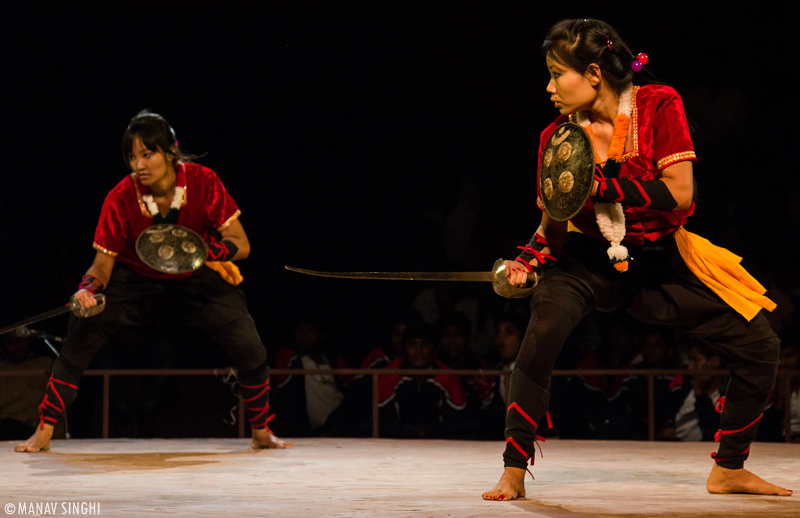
(593,74)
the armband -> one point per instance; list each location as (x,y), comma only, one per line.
(653,194)
(91,284)
(223,250)
(533,250)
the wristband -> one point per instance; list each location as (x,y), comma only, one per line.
(223,250)
(533,250)
(653,194)
(91,284)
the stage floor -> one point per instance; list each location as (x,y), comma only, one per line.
(382,477)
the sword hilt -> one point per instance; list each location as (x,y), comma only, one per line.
(80,311)
(507,290)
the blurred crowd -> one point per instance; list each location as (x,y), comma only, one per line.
(447,327)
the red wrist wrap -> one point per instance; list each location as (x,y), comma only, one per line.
(91,284)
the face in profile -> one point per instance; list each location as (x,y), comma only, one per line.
(507,340)
(569,90)
(419,353)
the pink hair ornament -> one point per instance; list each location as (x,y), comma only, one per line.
(639,62)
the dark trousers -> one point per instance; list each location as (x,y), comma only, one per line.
(658,289)
(203,300)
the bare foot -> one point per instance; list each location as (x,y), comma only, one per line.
(511,485)
(264,439)
(39,441)
(726,481)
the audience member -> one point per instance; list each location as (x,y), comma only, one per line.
(304,403)
(697,419)
(423,406)
(772,426)
(628,407)
(455,351)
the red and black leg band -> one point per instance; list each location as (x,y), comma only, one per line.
(223,250)
(526,399)
(61,391)
(91,284)
(57,396)
(739,425)
(652,194)
(256,404)
(533,250)
(254,389)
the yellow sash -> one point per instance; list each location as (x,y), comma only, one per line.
(227,270)
(719,269)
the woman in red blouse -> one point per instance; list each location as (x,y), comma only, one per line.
(630,251)
(163,187)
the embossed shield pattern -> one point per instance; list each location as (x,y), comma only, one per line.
(566,173)
(171,248)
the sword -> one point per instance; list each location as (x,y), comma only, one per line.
(73,305)
(497,276)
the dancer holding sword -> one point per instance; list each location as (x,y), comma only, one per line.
(632,251)
(159,207)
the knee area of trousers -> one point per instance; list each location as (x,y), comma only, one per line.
(65,370)
(256,375)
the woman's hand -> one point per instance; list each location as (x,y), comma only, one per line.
(86,299)
(517,273)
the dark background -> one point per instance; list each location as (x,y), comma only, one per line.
(373,135)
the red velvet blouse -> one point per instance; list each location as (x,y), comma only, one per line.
(125,215)
(659,138)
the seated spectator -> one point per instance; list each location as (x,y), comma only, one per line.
(508,333)
(456,353)
(353,418)
(628,407)
(577,400)
(303,403)
(430,406)
(697,418)
(772,426)
(382,355)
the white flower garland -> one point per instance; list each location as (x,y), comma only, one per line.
(611,216)
(177,201)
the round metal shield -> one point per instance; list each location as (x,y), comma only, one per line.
(566,173)
(171,248)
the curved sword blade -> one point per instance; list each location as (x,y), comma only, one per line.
(402,276)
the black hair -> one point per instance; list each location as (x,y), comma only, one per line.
(459,320)
(420,330)
(156,134)
(518,321)
(581,42)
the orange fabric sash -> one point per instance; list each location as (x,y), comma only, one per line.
(719,269)
(227,270)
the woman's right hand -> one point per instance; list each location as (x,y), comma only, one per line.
(86,298)
(517,273)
